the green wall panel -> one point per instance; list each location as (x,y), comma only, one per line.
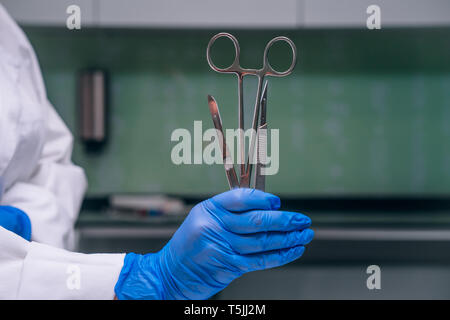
(365,112)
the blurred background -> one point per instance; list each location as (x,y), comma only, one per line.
(364,126)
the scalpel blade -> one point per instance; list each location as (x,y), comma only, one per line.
(228,162)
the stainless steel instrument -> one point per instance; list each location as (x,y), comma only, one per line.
(258,125)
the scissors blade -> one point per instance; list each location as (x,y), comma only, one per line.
(245,178)
(228,162)
(260,178)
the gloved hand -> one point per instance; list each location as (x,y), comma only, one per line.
(15,220)
(222,238)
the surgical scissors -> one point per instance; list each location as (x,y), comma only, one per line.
(266,70)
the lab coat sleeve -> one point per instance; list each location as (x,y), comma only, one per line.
(30,270)
(52,195)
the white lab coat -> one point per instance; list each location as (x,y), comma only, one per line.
(37,176)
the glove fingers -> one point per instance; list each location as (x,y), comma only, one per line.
(272,259)
(269,241)
(243,199)
(264,221)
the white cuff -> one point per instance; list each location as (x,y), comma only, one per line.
(52,273)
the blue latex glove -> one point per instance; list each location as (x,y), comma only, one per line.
(222,238)
(15,220)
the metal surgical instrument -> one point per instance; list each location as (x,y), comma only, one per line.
(266,70)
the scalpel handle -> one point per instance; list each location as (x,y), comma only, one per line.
(261,149)
(260,178)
